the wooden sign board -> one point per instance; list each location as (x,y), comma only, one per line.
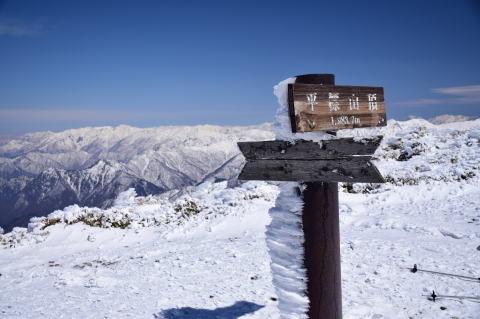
(309,150)
(337,160)
(315,107)
(348,170)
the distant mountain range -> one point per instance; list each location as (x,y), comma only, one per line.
(447,118)
(42,172)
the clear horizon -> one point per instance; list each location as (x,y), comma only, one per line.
(144,64)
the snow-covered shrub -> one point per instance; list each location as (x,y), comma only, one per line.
(49,222)
(187,208)
(125,198)
(416,151)
(208,201)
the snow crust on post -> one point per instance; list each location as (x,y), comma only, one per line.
(282,126)
(285,243)
(285,236)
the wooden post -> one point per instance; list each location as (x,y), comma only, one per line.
(315,103)
(322,237)
(322,250)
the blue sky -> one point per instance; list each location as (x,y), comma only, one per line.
(69,64)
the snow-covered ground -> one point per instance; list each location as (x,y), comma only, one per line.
(202,253)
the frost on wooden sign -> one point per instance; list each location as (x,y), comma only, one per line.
(315,107)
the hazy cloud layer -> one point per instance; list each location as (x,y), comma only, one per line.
(60,115)
(463,95)
(31,120)
(18,30)
(80,115)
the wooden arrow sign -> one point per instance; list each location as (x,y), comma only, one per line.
(338,160)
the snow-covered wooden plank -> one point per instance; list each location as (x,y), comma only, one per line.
(303,149)
(356,169)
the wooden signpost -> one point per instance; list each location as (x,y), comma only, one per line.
(315,107)
(315,103)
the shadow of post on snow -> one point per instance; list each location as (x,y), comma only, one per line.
(234,311)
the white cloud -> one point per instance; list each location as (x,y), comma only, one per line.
(460,90)
(463,95)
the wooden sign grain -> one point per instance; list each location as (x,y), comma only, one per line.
(304,149)
(336,160)
(356,169)
(314,107)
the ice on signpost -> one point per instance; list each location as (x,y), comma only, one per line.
(288,270)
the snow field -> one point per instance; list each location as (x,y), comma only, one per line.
(153,256)
(91,272)
(435,227)
(79,271)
